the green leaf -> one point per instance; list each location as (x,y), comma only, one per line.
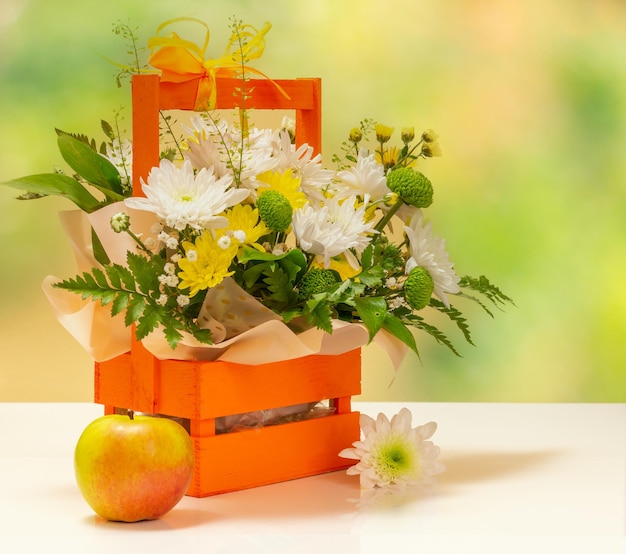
(254,272)
(399,330)
(98,250)
(148,321)
(107,129)
(172,335)
(484,287)
(90,165)
(126,277)
(295,256)
(145,271)
(120,303)
(55,184)
(372,311)
(367,257)
(455,315)
(372,277)
(318,312)
(134,310)
(100,277)
(419,323)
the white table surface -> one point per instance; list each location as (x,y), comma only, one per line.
(521,478)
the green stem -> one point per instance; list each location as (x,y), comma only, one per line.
(138,241)
(406,156)
(381,224)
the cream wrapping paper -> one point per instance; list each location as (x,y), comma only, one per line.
(244,331)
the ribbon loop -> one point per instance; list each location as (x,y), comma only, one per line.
(181,60)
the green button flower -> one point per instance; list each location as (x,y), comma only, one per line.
(412,186)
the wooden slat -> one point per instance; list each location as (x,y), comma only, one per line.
(251,458)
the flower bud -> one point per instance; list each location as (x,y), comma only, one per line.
(429,136)
(356,135)
(431,149)
(120,222)
(407,134)
(383,133)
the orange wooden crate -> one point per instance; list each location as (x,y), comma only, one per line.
(201,392)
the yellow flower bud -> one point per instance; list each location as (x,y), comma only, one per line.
(431,149)
(356,135)
(383,133)
(429,136)
(407,134)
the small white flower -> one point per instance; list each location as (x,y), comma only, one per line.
(168,280)
(429,252)
(280,249)
(183,198)
(333,229)
(392,453)
(151,243)
(240,236)
(162,300)
(171,243)
(223,242)
(192,255)
(391,282)
(120,154)
(397,302)
(175,258)
(169,268)
(182,300)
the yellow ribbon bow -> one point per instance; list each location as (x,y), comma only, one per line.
(182,61)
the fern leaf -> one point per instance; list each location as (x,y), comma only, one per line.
(148,321)
(135,308)
(435,333)
(455,315)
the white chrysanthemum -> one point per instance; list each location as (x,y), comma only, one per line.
(220,146)
(120,154)
(182,198)
(392,453)
(332,229)
(366,177)
(314,179)
(429,252)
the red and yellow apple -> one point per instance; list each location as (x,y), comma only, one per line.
(133,467)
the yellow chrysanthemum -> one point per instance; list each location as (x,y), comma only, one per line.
(244,223)
(389,158)
(285,183)
(206,263)
(340,265)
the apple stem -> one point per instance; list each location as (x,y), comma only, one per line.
(131,414)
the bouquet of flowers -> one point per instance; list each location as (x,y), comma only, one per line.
(240,213)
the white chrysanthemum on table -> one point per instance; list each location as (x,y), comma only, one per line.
(184,198)
(394,454)
(429,251)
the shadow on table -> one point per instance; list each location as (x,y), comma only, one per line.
(482,466)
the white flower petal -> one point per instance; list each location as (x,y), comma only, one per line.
(392,453)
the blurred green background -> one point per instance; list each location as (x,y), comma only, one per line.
(529,99)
